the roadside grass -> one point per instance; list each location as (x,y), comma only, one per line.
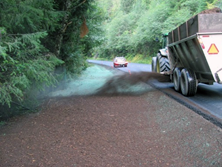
(139,58)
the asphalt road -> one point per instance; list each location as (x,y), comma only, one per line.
(132,67)
(208,97)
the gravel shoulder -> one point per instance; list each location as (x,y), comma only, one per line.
(120,129)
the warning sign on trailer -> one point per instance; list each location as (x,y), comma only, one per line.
(213,49)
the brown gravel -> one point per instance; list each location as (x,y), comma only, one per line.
(111,128)
(111,131)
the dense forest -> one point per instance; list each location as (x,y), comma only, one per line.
(45,41)
(41,41)
(135,27)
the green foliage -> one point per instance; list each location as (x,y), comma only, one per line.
(214,3)
(219,4)
(22,63)
(38,37)
(139,58)
(66,43)
(134,26)
(22,55)
(126,5)
(2,123)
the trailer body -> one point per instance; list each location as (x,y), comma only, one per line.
(194,53)
(197,45)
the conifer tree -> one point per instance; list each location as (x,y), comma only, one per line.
(66,41)
(38,36)
(24,60)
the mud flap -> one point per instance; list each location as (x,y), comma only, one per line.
(218,76)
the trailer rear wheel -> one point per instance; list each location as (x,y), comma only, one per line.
(154,64)
(163,63)
(176,78)
(188,82)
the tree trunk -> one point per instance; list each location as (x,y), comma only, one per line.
(65,23)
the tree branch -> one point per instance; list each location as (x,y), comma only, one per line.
(80,4)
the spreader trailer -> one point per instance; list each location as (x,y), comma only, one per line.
(193,53)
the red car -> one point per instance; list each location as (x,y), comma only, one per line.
(119,62)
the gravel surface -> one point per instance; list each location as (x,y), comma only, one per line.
(118,129)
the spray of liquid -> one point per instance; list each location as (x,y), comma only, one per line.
(135,83)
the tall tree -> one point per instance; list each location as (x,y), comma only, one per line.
(38,36)
(23,58)
(71,41)
(136,25)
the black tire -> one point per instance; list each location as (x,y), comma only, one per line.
(114,66)
(188,82)
(154,65)
(162,63)
(176,78)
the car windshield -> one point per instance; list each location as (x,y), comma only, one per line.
(120,59)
